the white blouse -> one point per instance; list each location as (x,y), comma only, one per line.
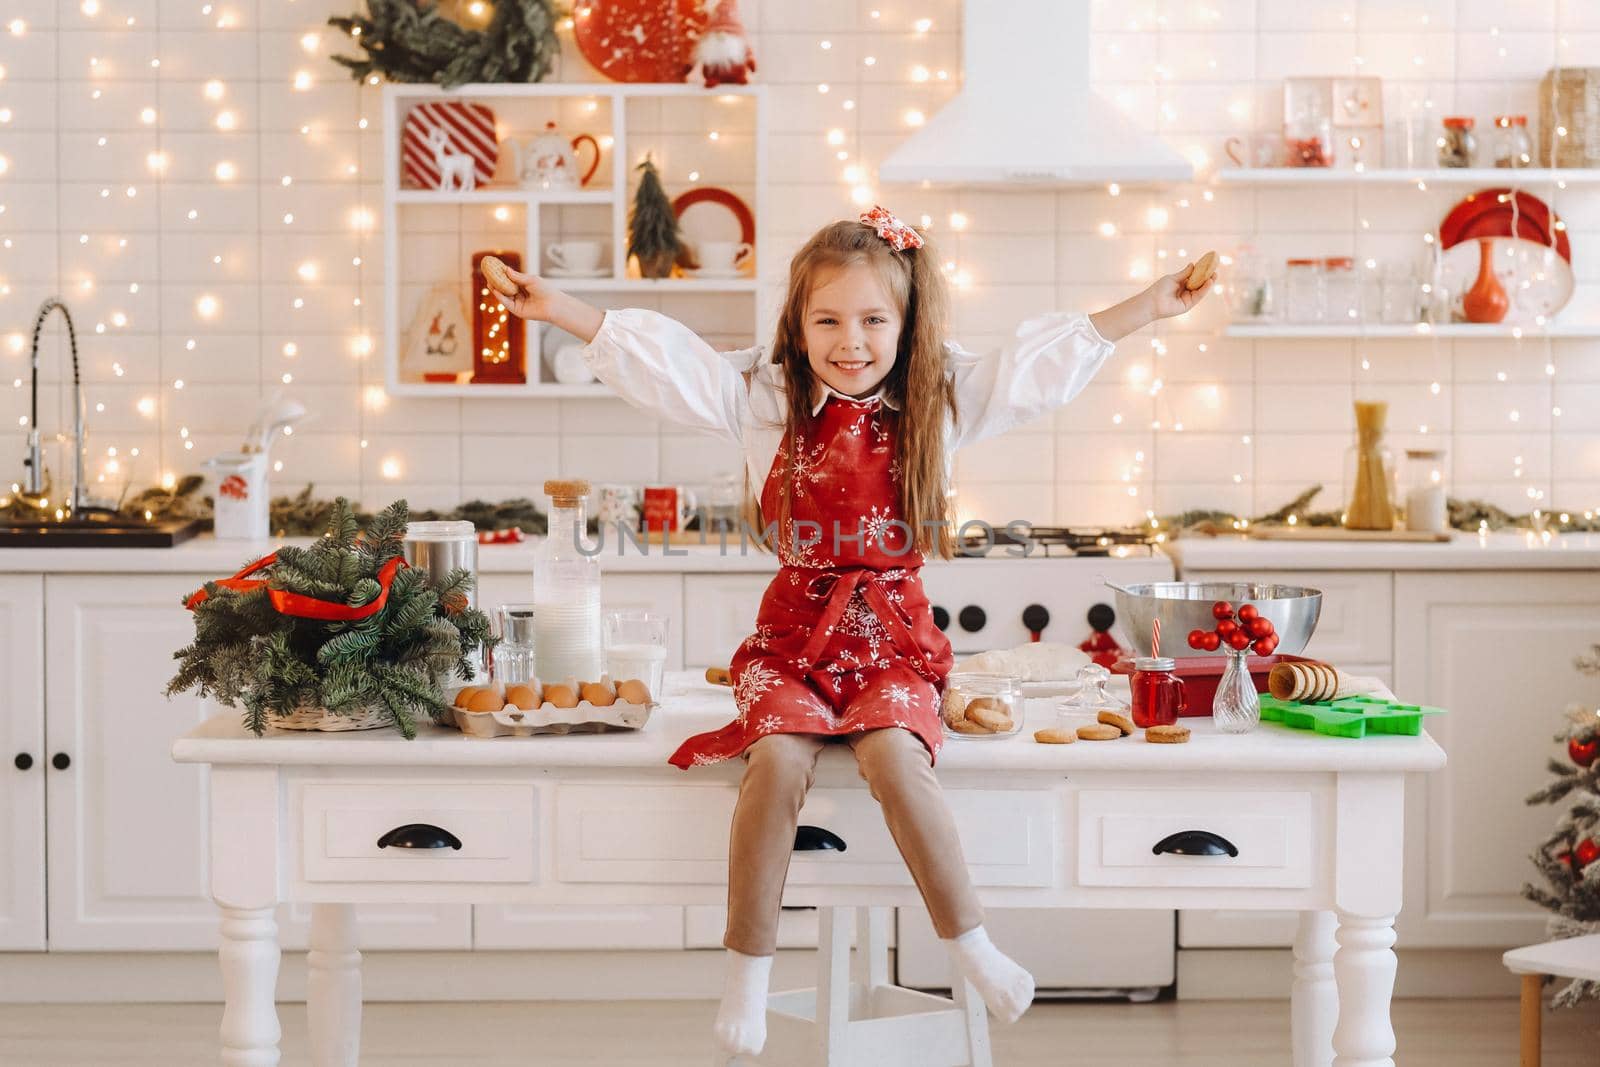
(656,363)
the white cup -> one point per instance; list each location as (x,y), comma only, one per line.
(579,257)
(724,257)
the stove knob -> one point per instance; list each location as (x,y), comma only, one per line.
(972,618)
(941,618)
(1035,617)
(1102,618)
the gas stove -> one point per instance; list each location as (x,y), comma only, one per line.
(1054,542)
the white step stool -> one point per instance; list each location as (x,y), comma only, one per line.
(1573,957)
(857,1018)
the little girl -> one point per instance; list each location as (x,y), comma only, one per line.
(847,424)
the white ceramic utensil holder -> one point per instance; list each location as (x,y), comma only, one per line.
(240,497)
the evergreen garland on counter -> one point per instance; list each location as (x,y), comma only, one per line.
(248,652)
(414,41)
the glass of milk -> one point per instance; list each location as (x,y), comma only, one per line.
(636,647)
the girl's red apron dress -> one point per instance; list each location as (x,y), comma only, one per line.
(845,641)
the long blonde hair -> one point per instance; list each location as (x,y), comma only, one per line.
(917,384)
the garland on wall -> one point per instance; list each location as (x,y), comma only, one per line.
(417,41)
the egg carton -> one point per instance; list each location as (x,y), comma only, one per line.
(586,718)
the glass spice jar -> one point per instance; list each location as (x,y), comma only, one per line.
(1303,294)
(1458,145)
(1157,692)
(1341,290)
(1512,147)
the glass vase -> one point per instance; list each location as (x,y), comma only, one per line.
(1236,709)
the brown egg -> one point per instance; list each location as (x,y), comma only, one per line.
(599,694)
(633,691)
(466,694)
(523,696)
(486,700)
(561,696)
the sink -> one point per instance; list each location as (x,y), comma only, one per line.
(96,531)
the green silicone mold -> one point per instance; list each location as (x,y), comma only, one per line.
(1354,716)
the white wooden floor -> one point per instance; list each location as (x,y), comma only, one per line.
(1432,1033)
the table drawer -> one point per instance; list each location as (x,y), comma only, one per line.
(341,824)
(679,835)
(1274,832)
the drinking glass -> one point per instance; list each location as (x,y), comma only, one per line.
(636,647)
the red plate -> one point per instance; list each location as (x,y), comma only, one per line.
(639,40)
(1482,214)
(712,195)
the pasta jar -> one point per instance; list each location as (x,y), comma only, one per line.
(1458,145)
(1157,692)
(981,705)
(1302,286)
(1341,290)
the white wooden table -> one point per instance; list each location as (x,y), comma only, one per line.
(1315,824)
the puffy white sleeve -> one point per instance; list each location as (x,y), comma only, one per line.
(1045,364)
(659,364)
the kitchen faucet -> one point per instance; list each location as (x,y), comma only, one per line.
(78,502)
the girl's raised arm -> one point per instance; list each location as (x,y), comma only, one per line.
(1051,358)
(652,361)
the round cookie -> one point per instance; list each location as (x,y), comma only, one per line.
(1056,735)
(1121,722)
(965,726)
(1201,272)
(1167,735)
(1099,731)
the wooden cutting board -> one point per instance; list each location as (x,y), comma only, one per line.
(1339,533)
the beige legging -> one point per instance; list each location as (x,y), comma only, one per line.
(899,772)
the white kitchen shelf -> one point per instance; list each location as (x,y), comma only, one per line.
(552,390)
(1455,330)
(398,98)
(1521,177)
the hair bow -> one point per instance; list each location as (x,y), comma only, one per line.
(891,229)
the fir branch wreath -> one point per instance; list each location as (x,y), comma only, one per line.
(246,651)
(415,41)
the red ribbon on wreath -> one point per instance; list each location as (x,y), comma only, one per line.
(298,604)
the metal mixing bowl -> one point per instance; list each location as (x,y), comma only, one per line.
(1185,606)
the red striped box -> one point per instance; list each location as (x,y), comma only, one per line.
(470,128)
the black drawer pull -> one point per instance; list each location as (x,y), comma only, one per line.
(23,761)
(816,839)
(419,835)
(1196,843)
(61,761)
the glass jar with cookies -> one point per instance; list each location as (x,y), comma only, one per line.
(982,705)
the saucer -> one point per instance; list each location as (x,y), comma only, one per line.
(563,272)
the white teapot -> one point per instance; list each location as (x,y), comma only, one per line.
(550,161)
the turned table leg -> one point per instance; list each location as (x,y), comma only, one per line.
(333,987)
(1532,1004)
(1364,968)
(1314,997)
(249,958)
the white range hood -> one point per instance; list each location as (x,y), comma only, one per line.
(1025,114)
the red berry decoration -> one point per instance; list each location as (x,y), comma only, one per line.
(1266,646)
(1227,628)
(1247,612)
(1213,642)
(1258,627)
(1197,639)
(1238,640)
(1587,852)
(1583,753)
(1222,610)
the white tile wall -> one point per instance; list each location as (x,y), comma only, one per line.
(1233,424)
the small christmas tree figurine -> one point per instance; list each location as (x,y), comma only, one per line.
(1569,858)
(342,627)
(653,234)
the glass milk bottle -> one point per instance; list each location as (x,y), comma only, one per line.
(566,592)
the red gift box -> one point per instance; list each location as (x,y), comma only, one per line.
(1200,675)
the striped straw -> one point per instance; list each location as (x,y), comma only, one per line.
(1155,637)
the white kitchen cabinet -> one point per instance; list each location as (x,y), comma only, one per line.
(1496,649)
(725,608)
(125,833)
(22,878)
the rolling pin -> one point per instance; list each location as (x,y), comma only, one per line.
(719,676)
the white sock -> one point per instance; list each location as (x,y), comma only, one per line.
(742,1017)
(1003,984)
